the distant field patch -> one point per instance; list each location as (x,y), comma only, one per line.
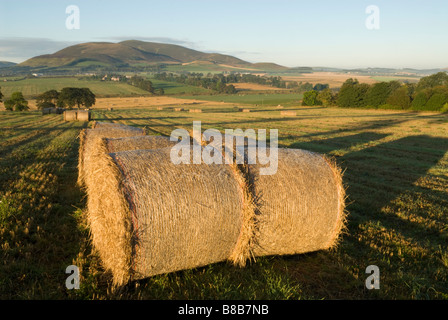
(151,101)
(254,99)
(255,87)
(203,68)
(387,79)
(33,87)
(334,79)
(178,88)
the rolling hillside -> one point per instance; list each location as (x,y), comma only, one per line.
(133,53)
(6,64)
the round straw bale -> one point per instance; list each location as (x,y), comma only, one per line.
(83,115)
(300,207)
(151,216)
(87,145)
(288,113)
(70,115)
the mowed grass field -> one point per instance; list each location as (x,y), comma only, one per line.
(396,175)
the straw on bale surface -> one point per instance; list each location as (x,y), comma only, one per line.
(245,110)
(301,208)
(83,115)
(151,216)
(87,145)
(70,115)
(178,109)
(137,143)
(304,212)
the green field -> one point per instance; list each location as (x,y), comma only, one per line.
(259,99)
(397,78)
(33,87)
(202,68)
(396,174)
(173,88)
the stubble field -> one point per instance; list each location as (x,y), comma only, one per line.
(396,175)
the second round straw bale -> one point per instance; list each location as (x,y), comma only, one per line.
(301,208)
(83,115)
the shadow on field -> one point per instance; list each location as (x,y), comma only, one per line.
(393,167)
(396,219)
(332,144)
(20,151)
(378,175)
(375,177)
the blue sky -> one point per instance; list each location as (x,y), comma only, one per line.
(288,32)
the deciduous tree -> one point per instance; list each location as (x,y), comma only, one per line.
(17,102)
(48,99)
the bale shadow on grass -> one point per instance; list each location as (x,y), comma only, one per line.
(375,178)
(389,169)
(387,224)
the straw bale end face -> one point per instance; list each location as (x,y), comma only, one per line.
(87,146)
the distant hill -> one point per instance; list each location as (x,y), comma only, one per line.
(6,64)
(268,66)
(136,53)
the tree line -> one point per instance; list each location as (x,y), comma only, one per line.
(223,83)
(273,81)
(216,82)
(67,98)
(429,94)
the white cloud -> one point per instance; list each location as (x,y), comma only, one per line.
(185,43)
